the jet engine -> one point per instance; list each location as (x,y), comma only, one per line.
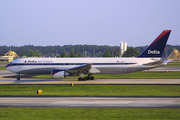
(57,73)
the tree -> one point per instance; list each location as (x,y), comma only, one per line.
(31,53)
(107,54)
(1,54)
(78,55)
(77,52)
(72,54)
(131,52)
(90,49)
(36,53)
(117,52)
(63,54)
(21,54)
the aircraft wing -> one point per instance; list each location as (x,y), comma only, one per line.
(71,71)
(84,68)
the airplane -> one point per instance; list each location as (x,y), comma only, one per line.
(62,67)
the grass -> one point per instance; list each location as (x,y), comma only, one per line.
(90,90)
(4,62)
(89,113)
(175,61)
(137,75)
(173,65)
(2,68)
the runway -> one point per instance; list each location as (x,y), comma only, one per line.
(5,72)
(88,102)
(96,81)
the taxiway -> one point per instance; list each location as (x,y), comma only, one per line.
(96,81)
(100,102)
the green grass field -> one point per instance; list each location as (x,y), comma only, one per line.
(2,68)
(137,75)
(173,65)
(91,90)
(4,62)
(89,113)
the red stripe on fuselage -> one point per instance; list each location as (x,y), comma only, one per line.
(10,66)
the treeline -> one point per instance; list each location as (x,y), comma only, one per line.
(74,50)
(46,51)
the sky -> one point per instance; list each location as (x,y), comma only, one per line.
(90,22)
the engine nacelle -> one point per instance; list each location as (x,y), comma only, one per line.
(57,73)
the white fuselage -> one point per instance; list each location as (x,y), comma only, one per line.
(98,65)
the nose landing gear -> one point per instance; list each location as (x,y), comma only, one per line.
(18,76)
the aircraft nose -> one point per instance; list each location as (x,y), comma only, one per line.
(7,66)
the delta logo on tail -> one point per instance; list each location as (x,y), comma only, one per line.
(153,52)
(156,48)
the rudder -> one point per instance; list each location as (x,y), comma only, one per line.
(156,48)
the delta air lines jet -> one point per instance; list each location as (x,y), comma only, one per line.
(63,67)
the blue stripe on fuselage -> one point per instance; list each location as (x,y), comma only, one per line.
(21,64)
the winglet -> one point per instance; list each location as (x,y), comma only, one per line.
(156,48)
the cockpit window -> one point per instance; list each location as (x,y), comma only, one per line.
(10,63)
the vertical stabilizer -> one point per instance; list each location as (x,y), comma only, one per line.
(156,48)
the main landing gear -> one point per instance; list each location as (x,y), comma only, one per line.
(86,78)
(17,76)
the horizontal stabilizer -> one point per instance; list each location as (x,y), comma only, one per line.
(153,63)
(166,62)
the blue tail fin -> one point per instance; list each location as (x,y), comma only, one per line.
(156,48)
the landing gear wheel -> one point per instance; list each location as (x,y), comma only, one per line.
(80,79)
(85,78)
(92,78)
(18,77)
